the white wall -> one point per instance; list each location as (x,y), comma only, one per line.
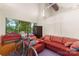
(70,26)
(63,24)
(2,25)
(51,26)
(25,12)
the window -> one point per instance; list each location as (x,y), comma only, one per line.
(13,25)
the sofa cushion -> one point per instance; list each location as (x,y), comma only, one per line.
(58,46)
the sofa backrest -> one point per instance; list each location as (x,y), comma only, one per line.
(9,38)
(59,39)
(66,39)
(56,39)
(47,37)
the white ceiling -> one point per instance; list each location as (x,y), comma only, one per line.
(32,10)
(68,5)
(21,10)
(63,7)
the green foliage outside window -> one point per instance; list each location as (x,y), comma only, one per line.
(17,26)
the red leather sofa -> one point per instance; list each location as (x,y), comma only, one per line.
(56,44)
(9,38)
(39,46)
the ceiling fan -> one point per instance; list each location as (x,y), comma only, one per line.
(50,5)
(54,6)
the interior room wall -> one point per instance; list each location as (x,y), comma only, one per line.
(2,25)
(24,12)
(70,23)
(62,24)
(52,25)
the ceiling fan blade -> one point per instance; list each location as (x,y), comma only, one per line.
(55,7)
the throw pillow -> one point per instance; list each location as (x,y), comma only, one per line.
(75,45)
(68,44)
